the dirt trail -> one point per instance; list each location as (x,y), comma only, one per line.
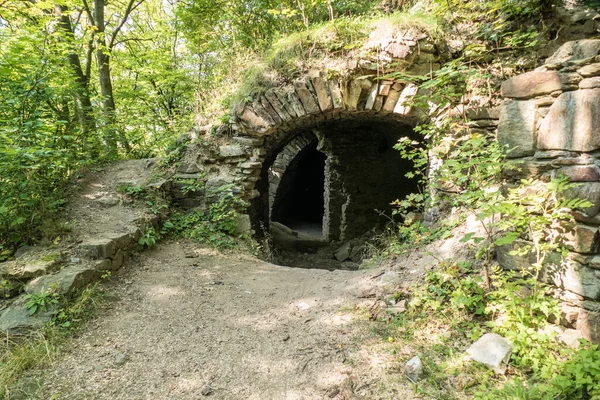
(189,324)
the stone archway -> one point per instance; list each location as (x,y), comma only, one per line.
(355,124)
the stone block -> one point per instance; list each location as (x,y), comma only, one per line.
(122,240)
(244,141)
(118,261)
(16,319)
(572,123)
(66,281)
(189,167)
(320,86)
(336,94)
(277,105)
(575,50)
(587,191)
(391,100)
(571,276)
(306,97)
(537,83)
(30,267)
(583,239)
(516,128)
(243,224)
(404,104)
(231,150)
(352,94)
(251,165)
(266,105)
(527,169)
(590,83)
(588,324)
(99,248)
(579,173)
(371,97)
(482,113)
(253,119)
(590,70)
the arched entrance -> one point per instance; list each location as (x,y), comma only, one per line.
(333,181)
(299,200)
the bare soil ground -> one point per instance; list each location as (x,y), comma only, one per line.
(190,323)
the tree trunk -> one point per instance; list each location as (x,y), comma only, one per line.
(106,88)
(83,103)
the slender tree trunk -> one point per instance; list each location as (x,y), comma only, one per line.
(105,80)
(82,96)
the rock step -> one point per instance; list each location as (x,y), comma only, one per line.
(107,252)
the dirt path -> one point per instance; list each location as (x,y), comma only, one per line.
(228,327)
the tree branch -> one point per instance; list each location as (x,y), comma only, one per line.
(131,6)
(89,12)
(134,40)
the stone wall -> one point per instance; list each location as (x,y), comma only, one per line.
(551,121)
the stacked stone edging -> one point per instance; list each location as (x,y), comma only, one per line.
(52,271)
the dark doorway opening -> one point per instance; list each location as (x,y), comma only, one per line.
(299,202)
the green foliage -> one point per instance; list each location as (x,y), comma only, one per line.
(216,226)
(500,24)
(572,379)
(132,191)
(453,284)
(42,301)
(72,313)
(8,288)
(20,354)
(149,238)
(47,132)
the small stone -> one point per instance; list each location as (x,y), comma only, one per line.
(121,358)
(206,390)
(349,266)
(107,201)
(75,260)
(399,308)
(414,369)
(285,337)
(492,350)
(571,337)
(334,391)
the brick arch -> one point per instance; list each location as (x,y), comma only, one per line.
(264,127)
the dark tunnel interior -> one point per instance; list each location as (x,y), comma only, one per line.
(299,202)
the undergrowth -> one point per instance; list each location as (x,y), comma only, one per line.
(20,354)
(215,226)
(450,309)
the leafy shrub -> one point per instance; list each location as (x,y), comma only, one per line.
(215,226)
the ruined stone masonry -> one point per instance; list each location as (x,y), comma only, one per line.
(342,129)
(551,120)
